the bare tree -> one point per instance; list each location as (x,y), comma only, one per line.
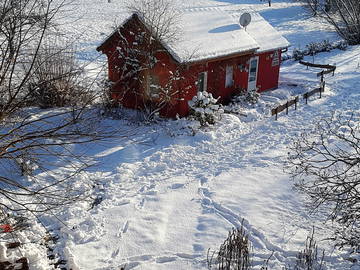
(343,15)
(326,164)
(160,17)
(34,142)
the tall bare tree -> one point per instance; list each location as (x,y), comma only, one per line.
(343,15)
(34,142)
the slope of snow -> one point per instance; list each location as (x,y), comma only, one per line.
(169,195)
(169,200)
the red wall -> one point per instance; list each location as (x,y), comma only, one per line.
(185,88)
(268,75)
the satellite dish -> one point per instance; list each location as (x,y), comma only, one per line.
(245,19)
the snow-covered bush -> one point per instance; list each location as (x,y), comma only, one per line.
(252,97)
(314,48)
(204,108)
(317,47)
(341,45)
(247,97)
(298,54)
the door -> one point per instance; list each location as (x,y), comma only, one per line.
(253,73)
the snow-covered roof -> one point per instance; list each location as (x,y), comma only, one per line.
(264,34)
(210,33)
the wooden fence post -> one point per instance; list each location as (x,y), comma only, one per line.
(287,107)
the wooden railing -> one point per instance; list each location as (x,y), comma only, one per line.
(319,90)
(327,70)
(285,107)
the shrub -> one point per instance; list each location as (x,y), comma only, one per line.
(234,253)
(309,258)
(56,79)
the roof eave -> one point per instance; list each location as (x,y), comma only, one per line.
(100,48)
(274,49)
(221,57)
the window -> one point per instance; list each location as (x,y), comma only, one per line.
(229,81)
(202,82)
(153,86)
(276,59)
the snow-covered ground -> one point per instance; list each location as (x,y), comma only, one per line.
(169,194)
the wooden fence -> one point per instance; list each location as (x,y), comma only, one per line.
(327,70)
(285,107)
(319,90)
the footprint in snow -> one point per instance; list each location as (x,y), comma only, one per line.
(140,205)
(126,226)
(115,253)
(123,229)
(177,186)
(165,259)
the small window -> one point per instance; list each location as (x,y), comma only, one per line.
(154,88)
(229,79)
(276,59)
(202,82)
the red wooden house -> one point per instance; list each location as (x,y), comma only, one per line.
(214,53)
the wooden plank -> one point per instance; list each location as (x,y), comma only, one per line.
(274,111)
(13,245)
(294,101)
(312,92)
(317,65)
(285,106)
(324,72)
